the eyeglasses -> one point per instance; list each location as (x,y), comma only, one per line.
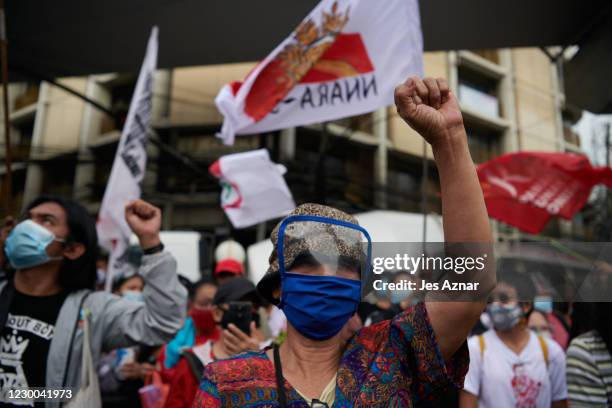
(318,404)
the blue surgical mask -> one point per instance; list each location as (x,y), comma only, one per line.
(543,303)
(133,295)
(319,306)
(26,245)
(398,295)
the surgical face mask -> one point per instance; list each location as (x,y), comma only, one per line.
(100,276)
(382,293)
(133,295)
(319,306)
(504,317)
(398,295)
(543,303)
(26,245)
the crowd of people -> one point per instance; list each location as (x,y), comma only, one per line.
(303,336)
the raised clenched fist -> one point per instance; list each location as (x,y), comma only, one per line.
(430,108)
(145,221)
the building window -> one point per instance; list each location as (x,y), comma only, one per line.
(484,144)
(336,172)
(203,149)
(362,123)
(404,184)
(21,141)
(119,91)
(489,55)
(28,97)
(104,156)
(58,175)
(478,92)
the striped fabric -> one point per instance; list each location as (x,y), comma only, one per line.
(589,372)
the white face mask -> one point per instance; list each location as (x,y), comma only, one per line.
(101,275)
(133,295)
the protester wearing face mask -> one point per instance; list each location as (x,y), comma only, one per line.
(559,322)
(558,331)
(129,285)
(53,254)
(538,323)
(315,278)
(199,327)
(101,268)
(123,371)
(404,298)
(510,365)
(231,340)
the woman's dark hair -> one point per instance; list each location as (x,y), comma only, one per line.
(204,281)
(119,282)
(522,282)
(81,272)
(201,282)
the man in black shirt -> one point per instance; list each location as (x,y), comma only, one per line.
(52,253)
(26,338)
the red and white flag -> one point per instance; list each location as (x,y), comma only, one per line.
(253,189)
(129,166)
(344,59)
(526,189)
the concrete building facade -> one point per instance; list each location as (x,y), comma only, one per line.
(511,100)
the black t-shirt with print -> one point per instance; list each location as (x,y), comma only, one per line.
(25,340)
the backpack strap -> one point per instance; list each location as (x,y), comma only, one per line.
(544,348)
(197,367)
(481,343)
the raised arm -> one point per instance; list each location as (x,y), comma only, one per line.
(430,108)
(161,315)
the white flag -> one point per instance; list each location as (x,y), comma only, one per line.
(129,166)
(344,59)
(253,188)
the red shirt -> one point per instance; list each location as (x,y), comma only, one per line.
(184,384)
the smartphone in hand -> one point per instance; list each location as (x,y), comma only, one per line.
(240,314)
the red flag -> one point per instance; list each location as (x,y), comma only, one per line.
(526,189)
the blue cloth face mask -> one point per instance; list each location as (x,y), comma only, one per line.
(543,303)
(26,245)
(319,306)
(320,299)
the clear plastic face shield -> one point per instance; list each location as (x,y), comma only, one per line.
(321,246)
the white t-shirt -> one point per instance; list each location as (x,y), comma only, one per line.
(507,380)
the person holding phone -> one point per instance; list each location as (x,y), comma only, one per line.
(234,311)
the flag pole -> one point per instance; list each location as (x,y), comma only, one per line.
(8,178)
